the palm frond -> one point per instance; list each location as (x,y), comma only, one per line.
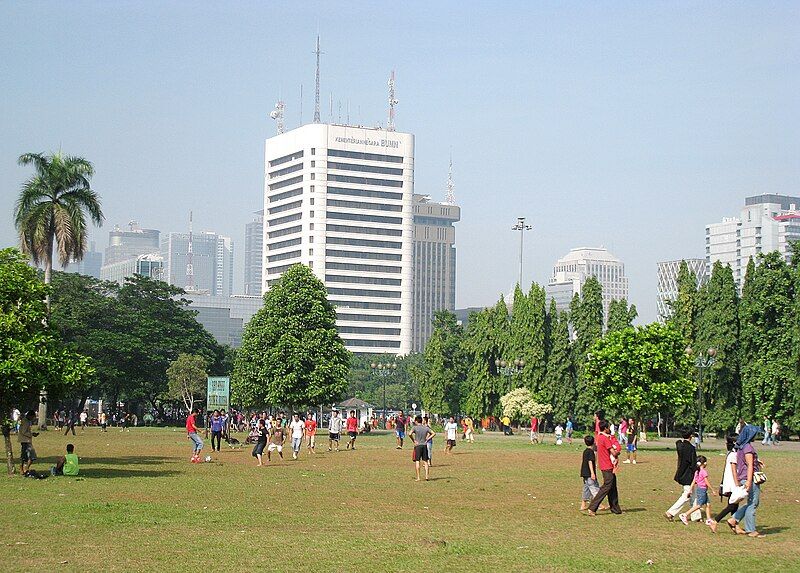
(87,199)
(39,160)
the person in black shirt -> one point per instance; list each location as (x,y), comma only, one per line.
(588,473)
(684,474)
(261,441)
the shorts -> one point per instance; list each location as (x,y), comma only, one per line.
(27,453)
(353,435)
(451,443)
(333,437)
(420,453)
(273,447)
(400,434)
(258,449)
(631,447)
(701,496)
(590,489)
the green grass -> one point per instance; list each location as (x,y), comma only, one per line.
(499,505)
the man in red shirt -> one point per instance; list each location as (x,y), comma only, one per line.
(534,430)
(607,451)
(352,430)
(311,433)
(191,430)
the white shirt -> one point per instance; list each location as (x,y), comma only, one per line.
(729,480)
(774,427)
(451,428)
(559,430)
(297,428)
(84,416)
(335,425)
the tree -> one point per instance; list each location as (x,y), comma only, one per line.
(187,379)
(51,211)
(31,355)
(684,307)
(620,315)
(520,405)
(640,370)
(559,388)
(444,367)
(527,335)
(485,342)
(586,314)
(291,353)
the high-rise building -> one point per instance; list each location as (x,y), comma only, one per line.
(668,282)
(123,245)
(339,199)
(766,223)
(434,264)
(253,254)
(212,262)
(571,272)
(89,265)
(225,316)
(149,265)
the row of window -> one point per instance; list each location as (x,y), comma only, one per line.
(362,280)
(365,193)
(286,207)
(364,230)
(373,343)
(435,221)
(362,292)
(368,330)
(362,268)
(365,218)
(282,244)
(279,269)
(283,232)
(367,317)
(363,181)
(360,205)
(363,242)
(285,171)
(290,181)
(364,304)
(283,256)
(364,168)
(282,220)
(286,158)
(286,195)
(365,156)
(363,255)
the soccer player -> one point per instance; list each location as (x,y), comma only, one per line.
(450,429)
(191,430)
(334,430)
(352,430)
(421,433)
(400,429)
(277,436)
(311,433)
(297,428)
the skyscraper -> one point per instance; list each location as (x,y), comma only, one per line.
(253,254)
(766,223)
(212,262)
(128,244)
(572,270)
(150,265)
(339,199)
(89,265)
(434,264)
(668,282)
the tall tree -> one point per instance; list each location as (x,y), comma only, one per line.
(51,212)
(291,353)
(559,388)
(527,336)
(717,326)
(486,341)
(445,365)
(586,314)
(188,379)
(684,307)
(793,421)
(620,315)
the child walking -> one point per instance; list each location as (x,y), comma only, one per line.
(701,485)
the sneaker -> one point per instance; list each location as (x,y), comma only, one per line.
(626,462)
(634,461)
(683,519)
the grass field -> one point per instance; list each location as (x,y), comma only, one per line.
(497,505)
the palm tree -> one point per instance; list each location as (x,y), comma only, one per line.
(51,211)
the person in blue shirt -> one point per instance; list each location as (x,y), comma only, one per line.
(217,426)
(569,430)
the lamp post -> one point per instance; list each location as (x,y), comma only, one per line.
(509,367)
(521,227)
(701,362)
(384,371)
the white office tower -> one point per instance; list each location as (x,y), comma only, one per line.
(211,262)
(571,272)
(339,199)
(767,223)
(434,264)
(253,255)
(668,282)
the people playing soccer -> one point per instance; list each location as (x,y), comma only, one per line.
(277,436)
(191,431)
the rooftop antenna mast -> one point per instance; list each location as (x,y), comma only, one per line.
(277,115)
(392,102)
(316,94)
(190,260)
(450,196)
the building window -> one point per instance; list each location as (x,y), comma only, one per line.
(313,151)
(313,164)
(365,156)
(310,252)
(364,168)
(313,176)
(367,218)
(365,230)
(311,214)
(311,239)
(311,226)
(311,188)
(312,201)
(365,193)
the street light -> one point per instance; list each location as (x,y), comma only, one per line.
(383,371)
(521,227)
(701,361)
(509,367)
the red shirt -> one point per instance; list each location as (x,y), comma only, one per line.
(605,443)
(191,428)
(352,424)
(534,424)
(311,427)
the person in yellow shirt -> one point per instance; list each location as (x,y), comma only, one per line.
(66,465)
(506,425)
(469,430)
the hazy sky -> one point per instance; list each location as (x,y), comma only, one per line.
(625,125)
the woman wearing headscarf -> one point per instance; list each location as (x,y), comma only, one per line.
(747,463)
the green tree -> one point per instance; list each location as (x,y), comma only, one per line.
(640,370)
(31,355)
(717,326)
(620,315)
(559,388)
(188,379)
(586,314)
(291,353)
(485,342)
(767,333)
(445,365)
(527,335)
(684,307)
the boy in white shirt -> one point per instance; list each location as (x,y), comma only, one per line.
(450,430)
(298,429)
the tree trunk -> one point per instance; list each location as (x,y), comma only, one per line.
(9,451)
(48,273)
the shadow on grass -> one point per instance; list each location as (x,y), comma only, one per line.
(771,530)
(634,509)
(119,473)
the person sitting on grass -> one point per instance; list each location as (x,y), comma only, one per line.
(67,465)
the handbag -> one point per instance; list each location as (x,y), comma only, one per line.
(738,493)
(759,477)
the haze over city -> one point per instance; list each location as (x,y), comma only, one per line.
(629,128)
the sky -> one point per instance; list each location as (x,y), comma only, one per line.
(628,125)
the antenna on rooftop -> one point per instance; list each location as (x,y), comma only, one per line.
(277,115)
(316,95)
(450,196)
(392,102)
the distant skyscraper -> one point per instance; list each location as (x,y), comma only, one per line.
(150,265)
(225,316)
(767,223)
(89,265)
(434,264)
(254,254)
(123,245)
(668,282)
(212,262)
(571,272)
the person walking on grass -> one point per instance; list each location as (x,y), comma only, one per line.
(684,474)
(607,454)
(701,485)
(352,430)
(559,433)
(631,441)
(747,464)
(261,441)
(70,424)
(469,431)
(311,433)
(277,437)
(84,418)
(589,474)
(25,436)
(420,434)
(192,434)
(217,427)
(297,428)
(569,430)
(729,481)
(334,430)
(429,443)
(450,430)
(400,423)
(534,430)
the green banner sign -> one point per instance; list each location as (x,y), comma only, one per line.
(219,393)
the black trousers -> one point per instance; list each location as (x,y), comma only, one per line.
(729,509)
(609,488)
(216,435)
